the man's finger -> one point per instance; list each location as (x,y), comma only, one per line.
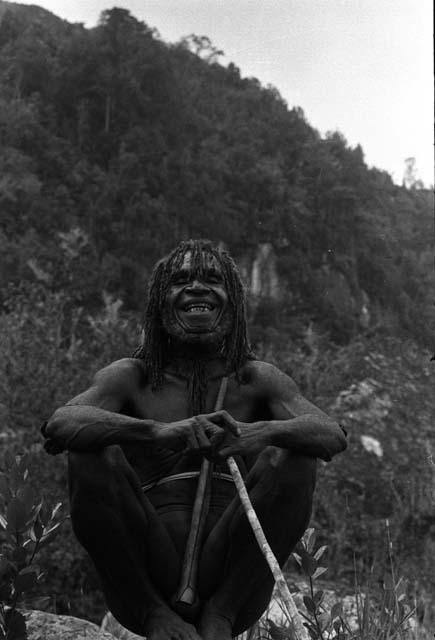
(201,437)
(217,439)
(228,451)
(191,440)
(214,434)
(223,419)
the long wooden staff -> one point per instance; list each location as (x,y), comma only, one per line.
(186,599)
(300,632)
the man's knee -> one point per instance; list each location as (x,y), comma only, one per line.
(95,467)
(94,475)
(287,471)
(93,479)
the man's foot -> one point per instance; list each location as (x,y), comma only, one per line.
(164,624)
(214,625)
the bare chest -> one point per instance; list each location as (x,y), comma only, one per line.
(171,403)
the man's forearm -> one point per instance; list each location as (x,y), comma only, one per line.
(311,435)
(87,428)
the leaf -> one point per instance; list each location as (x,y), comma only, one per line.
(3,522)
(318,597)
(320,551)
(309,565)
(45,513)
(298,559)
(313,633)
(16,516)
(55,510)
(319,572)
(309,539)
(50,535)
(37,530)
(336,610)
(309,604)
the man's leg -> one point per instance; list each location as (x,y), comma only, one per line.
(132,551)
(281,487)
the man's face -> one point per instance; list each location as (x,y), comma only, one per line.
(196,308)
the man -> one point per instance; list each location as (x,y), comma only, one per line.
(136,440)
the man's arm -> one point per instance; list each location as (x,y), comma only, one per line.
(295,423)
(92,420)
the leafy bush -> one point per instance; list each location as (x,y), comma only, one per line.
(383,612)
(29,525)
(49,353)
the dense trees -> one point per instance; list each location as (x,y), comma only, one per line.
(138,144)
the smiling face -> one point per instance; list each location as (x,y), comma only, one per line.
(196,308)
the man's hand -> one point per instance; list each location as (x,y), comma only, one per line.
(199,433)
(253,437)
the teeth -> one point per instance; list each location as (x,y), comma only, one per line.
(198,309)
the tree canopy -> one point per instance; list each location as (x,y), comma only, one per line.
(112,137)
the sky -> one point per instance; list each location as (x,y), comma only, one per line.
(364,67)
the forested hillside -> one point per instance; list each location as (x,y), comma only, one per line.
(127,144)
(114,146)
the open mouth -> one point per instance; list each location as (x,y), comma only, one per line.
(198,307)
(198,315)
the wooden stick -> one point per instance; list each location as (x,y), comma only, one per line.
(186,599)
(186,595)
(294,618)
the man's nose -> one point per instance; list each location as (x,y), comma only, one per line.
(197,286)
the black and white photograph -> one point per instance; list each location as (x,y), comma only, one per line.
(217,320)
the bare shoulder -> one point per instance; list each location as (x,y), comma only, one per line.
(113,385)
(268,380)
(129,372)
(278,390)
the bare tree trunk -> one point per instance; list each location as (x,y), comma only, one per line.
(108,111)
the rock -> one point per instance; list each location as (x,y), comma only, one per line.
(111,624)
(48,626)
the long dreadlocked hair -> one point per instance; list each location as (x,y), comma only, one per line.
(156,342)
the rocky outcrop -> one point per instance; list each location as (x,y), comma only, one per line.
(264,275)
(48,626)
(111,624)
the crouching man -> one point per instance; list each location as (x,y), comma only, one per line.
(136,440)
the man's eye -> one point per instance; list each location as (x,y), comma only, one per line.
(214,277)
(180,279)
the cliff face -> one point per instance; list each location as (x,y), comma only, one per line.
(338,295)
(259,271)
(265,282)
